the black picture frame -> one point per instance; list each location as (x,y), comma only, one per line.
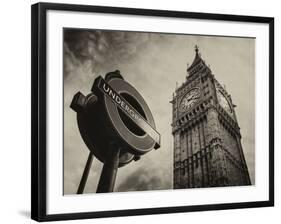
(39,121)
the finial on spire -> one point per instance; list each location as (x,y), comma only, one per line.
(196,48)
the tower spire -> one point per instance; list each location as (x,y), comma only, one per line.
(197,61)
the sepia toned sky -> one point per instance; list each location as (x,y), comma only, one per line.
(152,63)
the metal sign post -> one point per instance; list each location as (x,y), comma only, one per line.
(109,171)
(85,175)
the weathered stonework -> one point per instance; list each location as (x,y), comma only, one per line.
(207,140)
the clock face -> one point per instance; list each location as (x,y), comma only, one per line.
(224,102)
(189,99)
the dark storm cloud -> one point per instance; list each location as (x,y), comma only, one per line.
(100,47)
(144,179)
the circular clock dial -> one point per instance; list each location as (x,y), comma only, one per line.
(224,102)
(189,99)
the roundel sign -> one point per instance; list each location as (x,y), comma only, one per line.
(115,112)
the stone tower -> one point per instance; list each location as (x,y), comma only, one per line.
(207,139)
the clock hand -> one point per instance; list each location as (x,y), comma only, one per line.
(190,97)
(193,98)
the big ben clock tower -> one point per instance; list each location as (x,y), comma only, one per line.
(207,139)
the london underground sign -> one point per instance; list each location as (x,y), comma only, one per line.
(116,124)
(130,111)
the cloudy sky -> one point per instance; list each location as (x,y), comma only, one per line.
(153,63)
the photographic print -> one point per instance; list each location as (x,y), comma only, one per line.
(157,111)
